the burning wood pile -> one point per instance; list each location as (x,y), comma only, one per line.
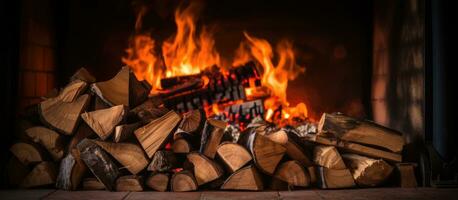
(111,135)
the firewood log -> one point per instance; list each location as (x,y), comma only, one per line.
(312,173)
(41,175)
(163,161)
(181,146)
(83,75)
(293,173)
(156,133)
(291,142)
(52,141)
(122,89)
(193,121)
(211,137)
(63,116)
(406,175)
(266,153)
(205,170)
(355,148)
(246,178)
(335,178)
(15,171)
(131,156)
(124,131)
(233,155)
(329,157)
(183,181)
(184,142)
(99,163)
(158,181)
(360,131)
(129,183)
(71,171)
(83,132)
(72,91)
(104,121)
(28,153)
(367,172)
(92,184)
(148,111)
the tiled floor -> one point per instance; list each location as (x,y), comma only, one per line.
(353,194)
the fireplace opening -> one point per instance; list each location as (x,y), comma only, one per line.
(175,84)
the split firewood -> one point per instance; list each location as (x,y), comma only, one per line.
(291,142)
(63,116)
(124,132)
(328,156)
(181,146)
(184,142)
(52,141)
(158,181)
(84,75)
(131,156)
(193,121)
(293,173)
(361,131)
(366,171)
(104,121)
(155,134)
(163,161)
(71,171)
(246,178)
(99,163)
(205,170)
(122,89)
(73,90)
(28,153)
(355,148)
(148,111)
(15,171)
(406,175)
(211,137)
(83,131)
(233,155)
(183,181)
(335,178)
(92,184)
(312,173)
(129,183)
(266,153)
(41,175)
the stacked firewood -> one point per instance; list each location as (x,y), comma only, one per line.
(110,135)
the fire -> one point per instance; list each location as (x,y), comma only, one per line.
(192,50)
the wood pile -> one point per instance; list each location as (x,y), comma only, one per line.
(110,135)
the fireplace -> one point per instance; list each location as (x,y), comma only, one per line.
(235,61)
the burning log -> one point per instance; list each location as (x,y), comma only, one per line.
(158,181)
(367,171)
(122,89)
(41,175)
(266,153)
(211,137)
(28,153)
(129,183)
(92,184)
(124,132)
(163,161)
(99,163)
(104,121)
(71,171)
(52,141)
(233,155)
(335,178)
(205,170)
(193,121)
(360,131)
(246,178)
(183,181)
(155,134)
(129,155)
(244,112)
(329,157)
(293,173)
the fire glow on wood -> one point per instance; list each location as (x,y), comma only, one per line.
(191,51)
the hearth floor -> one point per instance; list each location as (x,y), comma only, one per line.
(313,194)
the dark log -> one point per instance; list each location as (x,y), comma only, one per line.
(212,136)
(163,161)
(124,132)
